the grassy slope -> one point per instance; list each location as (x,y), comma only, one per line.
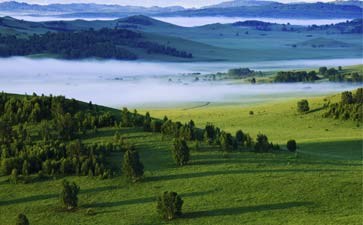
(278,120)
(243,188)
(215,42)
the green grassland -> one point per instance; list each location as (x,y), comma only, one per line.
(321,184)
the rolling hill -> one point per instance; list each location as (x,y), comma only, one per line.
(251,40)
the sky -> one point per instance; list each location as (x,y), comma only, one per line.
(147,3)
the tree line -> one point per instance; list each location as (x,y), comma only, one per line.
(103,43)
(332,74)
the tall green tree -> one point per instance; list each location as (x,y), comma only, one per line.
(181,152)
(69,195)
(169,205)
(132,166)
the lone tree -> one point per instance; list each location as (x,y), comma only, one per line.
(291,145)
(132,166)
(303,106)
(180,152)
(169,205)
(22,220)
(68,196)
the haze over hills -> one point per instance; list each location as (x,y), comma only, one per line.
(278,10)
(21,7)
(237,8)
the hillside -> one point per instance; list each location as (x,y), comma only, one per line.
(255,188)
(251,40)
(278,10)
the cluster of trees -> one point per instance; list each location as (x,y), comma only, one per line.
(350,107)
(348,27)
(296,76)
(38,134)
(337,75)
(103,43)
(57,158)
(332,74)
(239,73)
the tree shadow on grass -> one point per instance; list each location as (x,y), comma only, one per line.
(50,196)
(231,172)
(138,200)
(245,209)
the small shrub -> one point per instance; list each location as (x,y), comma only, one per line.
(291,145)
(22,220)
(169,205)
(303,106)
(14,176)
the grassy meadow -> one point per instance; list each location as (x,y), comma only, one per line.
(320,184)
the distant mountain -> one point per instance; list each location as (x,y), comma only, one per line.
(349,2)
(21,7)
(239,3)
(278,10)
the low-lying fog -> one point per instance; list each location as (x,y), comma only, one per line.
(200,21)
(185,21)
(120,83)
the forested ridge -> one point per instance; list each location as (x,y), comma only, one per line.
(103,43)
(43,135)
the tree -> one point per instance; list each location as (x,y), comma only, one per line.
(262,144)
(147,122)
(68,195)
(180,152)
(132,166)
(291,145)
(303,106)
(347,97)
(240,137)
(358,97)
(169,205)
(125,118)
(22,220)
(322,70)
(226,141)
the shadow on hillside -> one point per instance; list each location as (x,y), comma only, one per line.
(245,209)
(49,196)
(316,109)
(232,172)
(137,201)
(101,133)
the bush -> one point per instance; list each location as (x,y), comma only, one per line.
(169,205)
(291,145)
(22,220)
(68,196)
(180,152)
(303,106)
(132,167)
